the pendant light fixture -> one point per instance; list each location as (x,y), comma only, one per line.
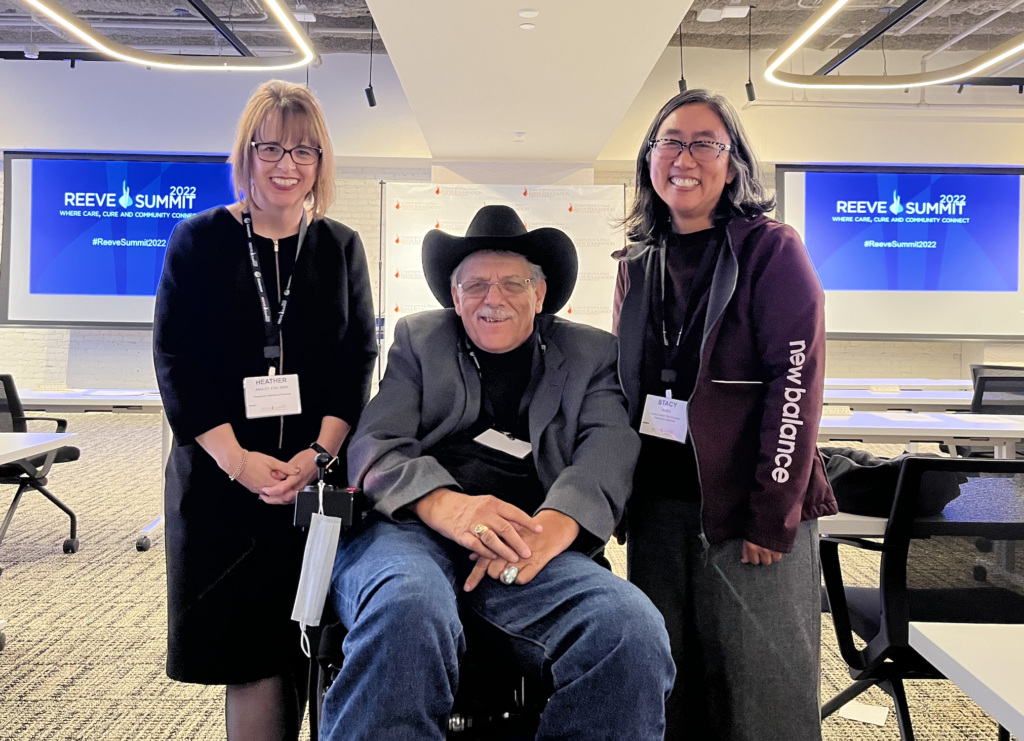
(83,32)
(751,95)
(370,97)
(682,78)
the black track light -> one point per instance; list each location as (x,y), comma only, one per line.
(751,95)
(370,97)
(959,89)
(682,78)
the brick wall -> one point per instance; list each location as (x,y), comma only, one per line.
(123,359)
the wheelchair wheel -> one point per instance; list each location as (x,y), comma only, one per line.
(143,544)
(71,545)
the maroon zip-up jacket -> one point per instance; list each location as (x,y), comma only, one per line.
(754,413)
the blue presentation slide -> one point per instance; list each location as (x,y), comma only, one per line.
(913,231)
(100,227)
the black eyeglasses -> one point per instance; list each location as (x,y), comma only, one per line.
(702,151)
(274,152)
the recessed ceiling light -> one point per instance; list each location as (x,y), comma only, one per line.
(527,26)
(735,11)
(528,13)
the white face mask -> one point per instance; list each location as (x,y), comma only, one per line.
(317,565)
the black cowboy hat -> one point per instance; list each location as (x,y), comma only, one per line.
(500,228)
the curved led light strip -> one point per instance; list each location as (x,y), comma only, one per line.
(81,30)
(1003,53)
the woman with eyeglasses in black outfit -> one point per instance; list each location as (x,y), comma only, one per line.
(720,319)
(250,294)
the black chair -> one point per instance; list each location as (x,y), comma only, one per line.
(982,369)
(31,473)
(960,566)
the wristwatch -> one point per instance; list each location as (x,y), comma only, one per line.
(318,448)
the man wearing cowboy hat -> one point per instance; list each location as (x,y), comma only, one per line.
(497,455)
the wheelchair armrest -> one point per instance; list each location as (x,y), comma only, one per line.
(62,424)
(836,590)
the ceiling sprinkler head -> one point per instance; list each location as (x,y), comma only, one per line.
(528,13)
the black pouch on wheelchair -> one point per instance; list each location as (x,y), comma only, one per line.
(337,503)
(865,484)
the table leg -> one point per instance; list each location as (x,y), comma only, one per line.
(1004,449)
(144,542)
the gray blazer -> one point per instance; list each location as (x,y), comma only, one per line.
(583,446)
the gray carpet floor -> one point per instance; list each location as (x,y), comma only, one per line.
(86,632)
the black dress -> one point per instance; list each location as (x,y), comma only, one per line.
(233,561)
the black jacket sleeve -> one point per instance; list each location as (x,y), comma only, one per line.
(355,349)
(187,374)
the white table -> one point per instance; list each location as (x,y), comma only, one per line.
(14,446)
(1000,432)
(852,526)
(932,400)
(983,660)
(117,401)
(905,384)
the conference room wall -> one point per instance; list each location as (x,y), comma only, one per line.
(113,106)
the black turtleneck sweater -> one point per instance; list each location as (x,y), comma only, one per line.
(504,381)
(668,469)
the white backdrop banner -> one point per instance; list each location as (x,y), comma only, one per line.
(587,213)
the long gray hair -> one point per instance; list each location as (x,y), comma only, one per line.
(745,196)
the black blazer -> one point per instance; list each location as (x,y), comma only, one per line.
(208,330)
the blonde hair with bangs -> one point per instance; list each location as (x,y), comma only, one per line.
(301,120)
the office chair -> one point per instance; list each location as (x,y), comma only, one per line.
(31,473)
(982,369)
(956,567)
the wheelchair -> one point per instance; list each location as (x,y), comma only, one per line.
(497,700)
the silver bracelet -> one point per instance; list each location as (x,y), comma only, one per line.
(241,466)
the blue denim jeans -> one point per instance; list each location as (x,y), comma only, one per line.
(396,587)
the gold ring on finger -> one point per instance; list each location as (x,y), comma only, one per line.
(480,530)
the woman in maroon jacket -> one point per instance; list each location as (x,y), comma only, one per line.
(722,351)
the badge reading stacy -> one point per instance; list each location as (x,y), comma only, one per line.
(664,417)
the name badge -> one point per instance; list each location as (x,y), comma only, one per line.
(665,418)
(500,441)
(271,396)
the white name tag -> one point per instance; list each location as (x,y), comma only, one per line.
(271,396)
(665,418)
(500,441)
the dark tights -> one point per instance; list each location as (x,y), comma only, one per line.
(268,709)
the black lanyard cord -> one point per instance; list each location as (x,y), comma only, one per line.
(272,333)
(693,296)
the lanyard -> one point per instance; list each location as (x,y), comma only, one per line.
(272,334)
(668,373)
